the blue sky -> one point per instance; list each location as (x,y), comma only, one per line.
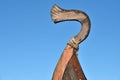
(31,44)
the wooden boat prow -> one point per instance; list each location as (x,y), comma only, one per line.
(68,67)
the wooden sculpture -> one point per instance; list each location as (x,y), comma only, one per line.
(68,67)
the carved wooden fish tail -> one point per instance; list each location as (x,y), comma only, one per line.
(58,15)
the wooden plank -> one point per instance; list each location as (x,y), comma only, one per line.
(62,63)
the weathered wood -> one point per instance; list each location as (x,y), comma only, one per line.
(62,63)
(74,70)
(68,67)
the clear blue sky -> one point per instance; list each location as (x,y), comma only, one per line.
(31,44)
